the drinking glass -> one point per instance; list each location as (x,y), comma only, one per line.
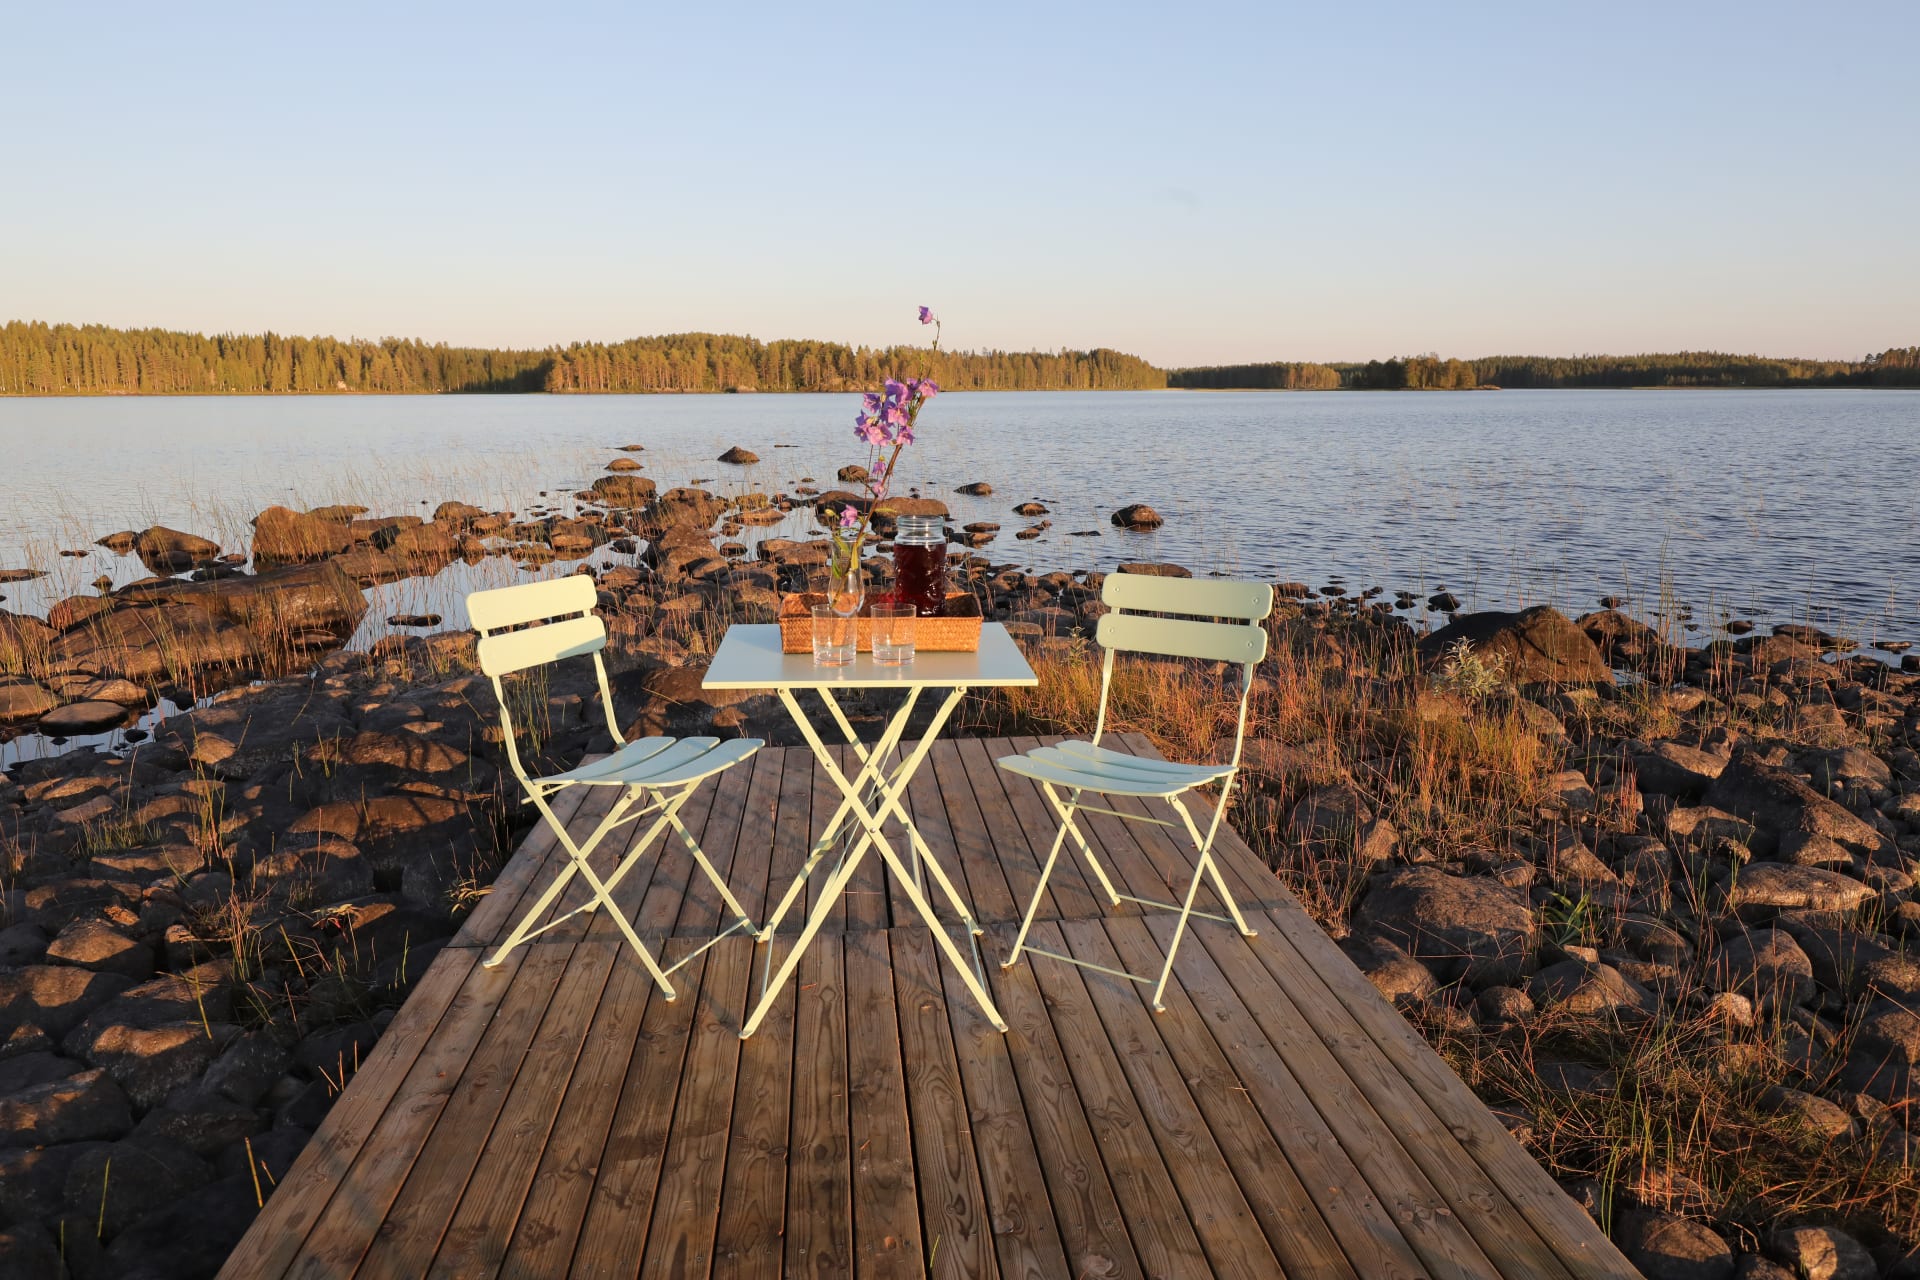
(893,633)
(834,635)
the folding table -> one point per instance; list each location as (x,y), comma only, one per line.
(749,657)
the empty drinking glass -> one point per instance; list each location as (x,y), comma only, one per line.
(834,635)
(893,633)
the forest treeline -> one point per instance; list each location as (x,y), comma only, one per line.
(1895,367)
(58,359)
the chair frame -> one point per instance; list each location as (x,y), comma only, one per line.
(1137,623)
(559,623)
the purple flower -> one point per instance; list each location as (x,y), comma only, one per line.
(870,403)
(895,417)
(906,433)
(926,315)
(923,388)
(897,392)
(877,485)
(849,517)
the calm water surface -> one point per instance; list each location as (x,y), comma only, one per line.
(1768,504)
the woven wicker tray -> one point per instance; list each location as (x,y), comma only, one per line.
(956,630)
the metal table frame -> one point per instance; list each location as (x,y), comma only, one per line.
(749,657)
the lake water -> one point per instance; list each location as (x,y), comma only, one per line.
(1772,505)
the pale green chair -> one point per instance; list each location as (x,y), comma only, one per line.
(1136,624)
(538,623)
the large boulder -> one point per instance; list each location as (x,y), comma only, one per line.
(1540,645)
(1472,927)
(1137,515)
(77,1109)
(23,640)
(154,642)
(165,550)
(1593,989)
(22,699)
(1776,802)
(284,536)
(624,490)
(290,599)
(1766,966)
(1675,769)
(53,997)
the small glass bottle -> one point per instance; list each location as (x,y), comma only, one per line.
(920,564)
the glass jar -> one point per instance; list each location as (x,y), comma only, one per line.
(920,564)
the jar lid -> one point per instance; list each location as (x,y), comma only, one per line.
(919,529)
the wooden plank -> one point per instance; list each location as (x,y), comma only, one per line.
(540,1242)
(621,1208)
(1026,1240)
(1131,871)
(342,1230)
(303,1194)
(992,897)
(599,802)
(1300,948)
(537,860)
(753,1211)
(1022,826)
(872,885)
(1163,1237)
(753,853)
(702,912)
(687,1204)
(793,839)
(1209,1163)
(886,1216)
(819,1176)
(1247,873)
(439,1167)
(953,1212)
(1226,1061)
(930,819)
(1093,1230)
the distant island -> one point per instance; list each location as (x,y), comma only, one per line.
(40,359)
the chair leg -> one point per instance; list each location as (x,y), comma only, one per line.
(1086,851)
(1207,860)
(1179,931)
(1026,921)
(699,855)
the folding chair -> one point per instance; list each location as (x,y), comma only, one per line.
(558,622)
(1079,767)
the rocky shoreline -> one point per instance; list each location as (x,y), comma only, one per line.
(205,927)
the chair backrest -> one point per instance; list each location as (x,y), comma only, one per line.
(1133,595)
(562,606)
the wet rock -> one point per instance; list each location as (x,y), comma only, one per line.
(853,473)
(79,1108)
(978,489)
(284,536)
(1154,569)
(674,705)
(622,464)
(1031,509)
(625,492)
(22,639)
(1668,1248)
(1471,927)
(1776,801)
(1823,1253)
(739,456)
(77,718)
(1624,641)
(1137,515)
(165,550)
(1539,645)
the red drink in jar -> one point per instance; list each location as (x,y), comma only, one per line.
(920,564)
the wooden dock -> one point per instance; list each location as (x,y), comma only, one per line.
(555,1117)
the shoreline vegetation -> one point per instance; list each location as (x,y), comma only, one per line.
(40,359)
(1654,899)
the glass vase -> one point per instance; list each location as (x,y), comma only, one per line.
(846,576)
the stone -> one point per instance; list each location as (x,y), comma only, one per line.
(22,700)
(977,489)
(119,1183)
(21,944)
(1762,889)
(1767,965)
(1137,515)
(674,705)
(1819,1118)
(1776,801)
(90,1105)
(25,1070)
(739,456)
(1470,927)
(1673,769)
(96,945)
(33,1180)
(1397,975)
(1031,509)
(54,998)
(77,718)
(165,550)
(459,513)
(1155,569)
(1665,1247)
(190,1237)
(285,536)
(623,492)
(23,638)
(1539,645)
(1578,986)
(1823,1253)
(1502,1005)
(1328,814)
(618,464)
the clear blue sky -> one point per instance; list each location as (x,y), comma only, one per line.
(1192,182)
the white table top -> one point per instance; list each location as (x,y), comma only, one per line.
(750,658)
